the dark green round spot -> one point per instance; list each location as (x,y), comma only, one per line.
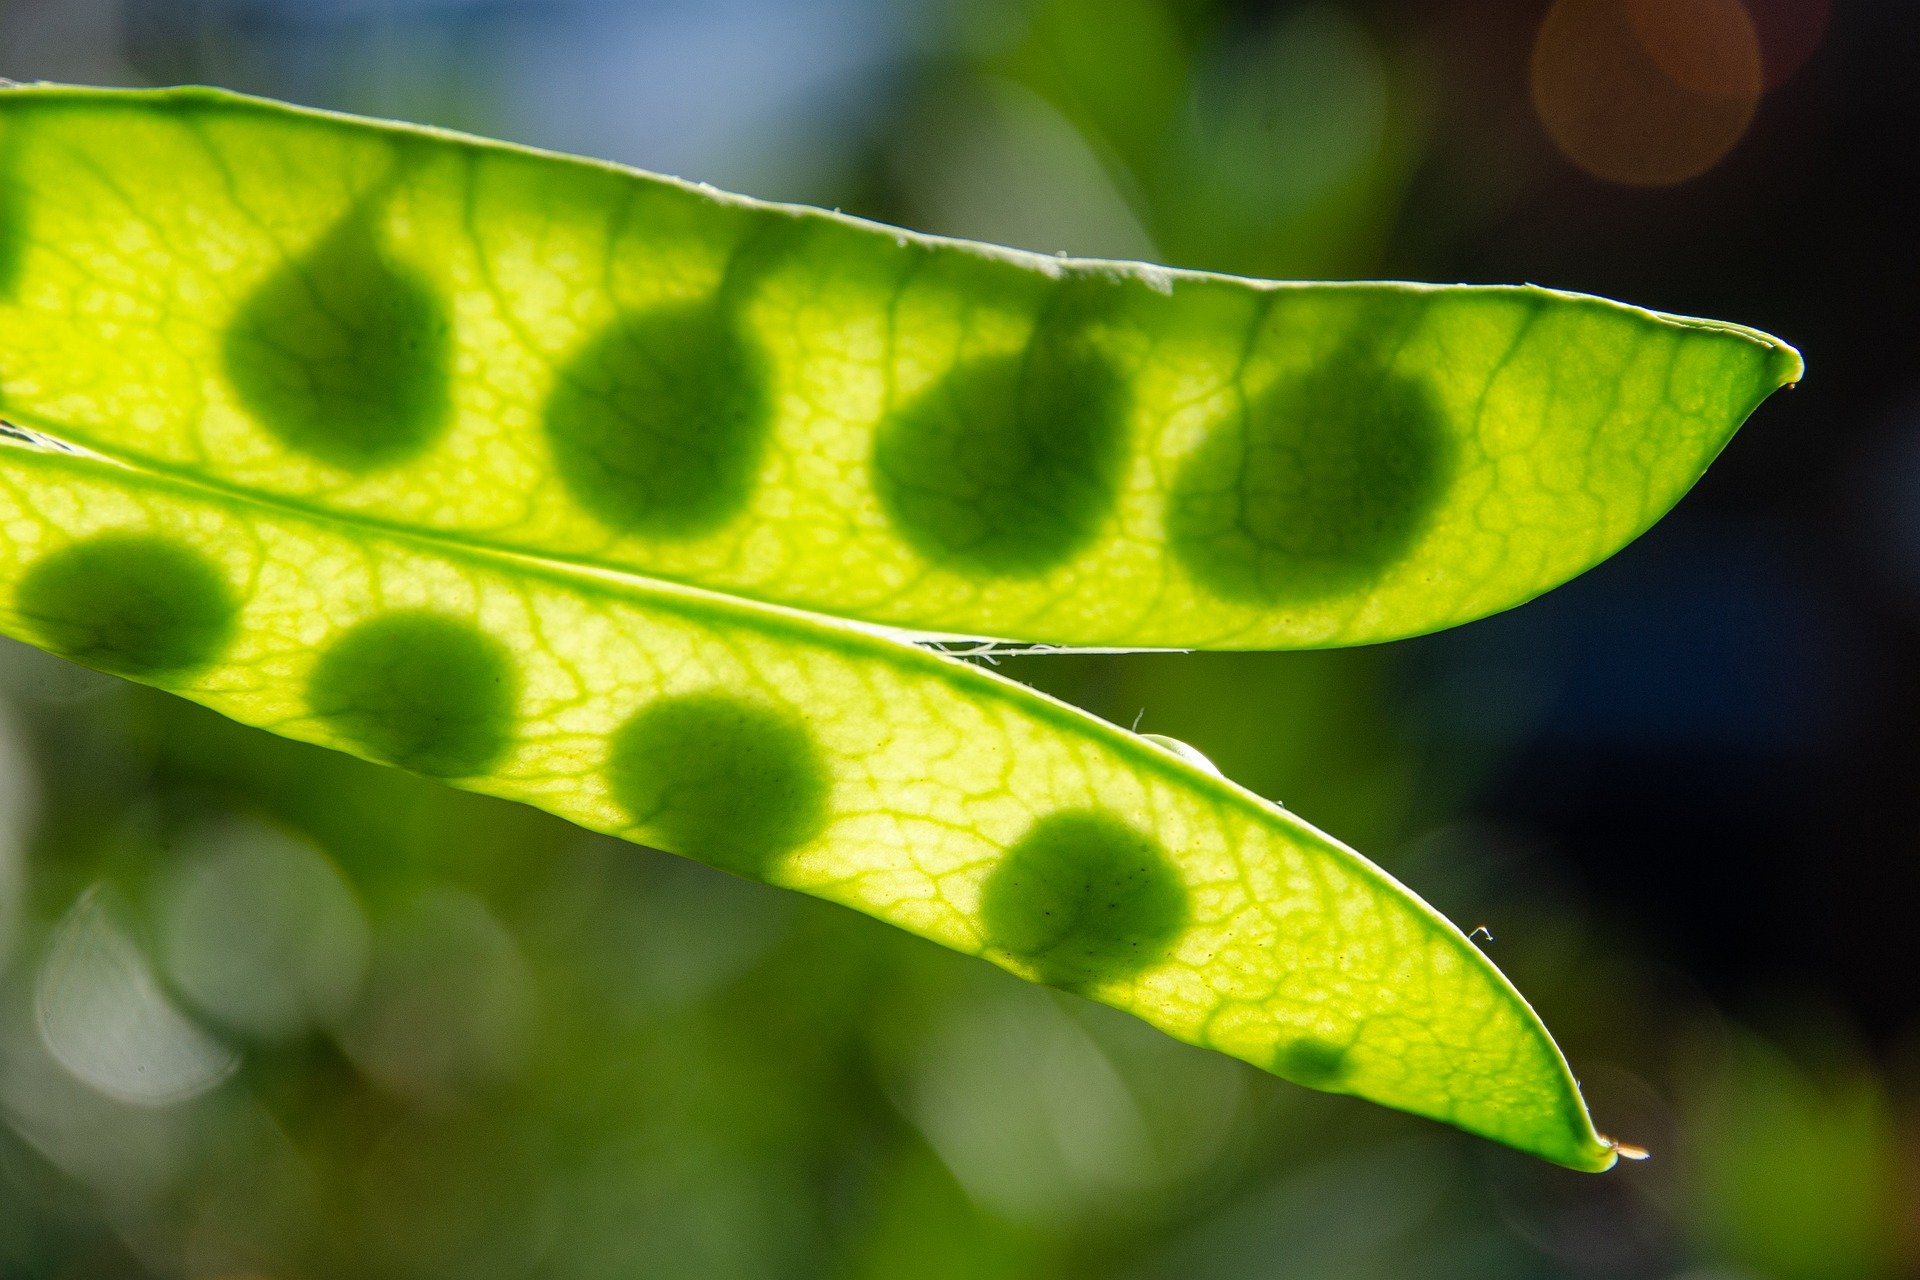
(733,783)
(1316,1063)
(1084,898)
(344,354)
(659,422)
(1320,485)
(130,603)
(1008,464)
(420,690)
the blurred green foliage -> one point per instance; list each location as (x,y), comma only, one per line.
(1137,128)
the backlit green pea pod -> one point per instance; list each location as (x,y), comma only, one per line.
(605,367)
(504,468)
(797,750)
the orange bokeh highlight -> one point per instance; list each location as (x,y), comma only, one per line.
(1708,47)
(1647,92)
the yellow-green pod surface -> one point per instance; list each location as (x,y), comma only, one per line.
(501,467)
(607,367)
(908,785)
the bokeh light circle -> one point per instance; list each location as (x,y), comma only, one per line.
(1646,92)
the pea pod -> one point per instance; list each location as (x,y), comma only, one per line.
(604,367)
(915,787)
(622,498)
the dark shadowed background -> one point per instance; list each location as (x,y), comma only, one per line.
(1682,793)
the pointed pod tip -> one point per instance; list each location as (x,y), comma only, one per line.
(1599,1154)
(1788,365)
(1779,362)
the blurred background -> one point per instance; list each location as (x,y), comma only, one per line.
(270,1012)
